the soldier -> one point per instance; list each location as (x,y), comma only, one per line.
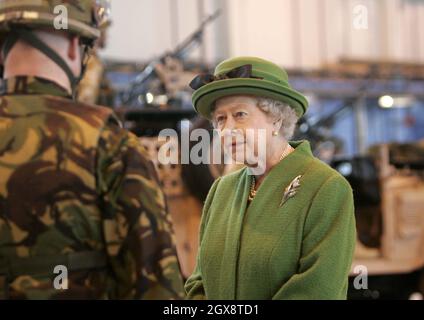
(81,212)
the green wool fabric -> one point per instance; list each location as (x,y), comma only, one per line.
(301,250)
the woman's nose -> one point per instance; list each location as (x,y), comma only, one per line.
(229,124)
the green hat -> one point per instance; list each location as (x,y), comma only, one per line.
(245,76)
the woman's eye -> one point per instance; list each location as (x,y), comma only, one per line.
(219,119)
(240,114)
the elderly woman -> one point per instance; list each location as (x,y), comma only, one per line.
(287,232)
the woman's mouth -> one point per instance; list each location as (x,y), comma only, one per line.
(236,144)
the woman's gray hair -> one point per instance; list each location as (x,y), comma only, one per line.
(276,110)
(279,110)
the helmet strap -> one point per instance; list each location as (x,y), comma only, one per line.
(31,39)
(9,42)
(85,53)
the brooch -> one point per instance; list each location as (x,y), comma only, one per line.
(291,190)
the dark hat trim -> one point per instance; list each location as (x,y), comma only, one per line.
(247,86)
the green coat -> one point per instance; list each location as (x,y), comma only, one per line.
(302,250)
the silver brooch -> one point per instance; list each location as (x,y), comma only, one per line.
(291,190)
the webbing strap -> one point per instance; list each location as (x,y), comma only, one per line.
(45,265)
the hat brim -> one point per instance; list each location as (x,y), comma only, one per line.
(204,98)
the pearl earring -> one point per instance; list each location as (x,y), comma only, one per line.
(275,133)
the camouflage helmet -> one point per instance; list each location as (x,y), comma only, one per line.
(84,17)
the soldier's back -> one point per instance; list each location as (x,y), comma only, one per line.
(48,198)
(77,190)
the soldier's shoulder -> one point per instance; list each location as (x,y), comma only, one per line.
(90,113)
(81,107)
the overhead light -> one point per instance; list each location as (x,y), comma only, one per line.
(161,100)
(304,128)
(398,101)
(149,98)
(386,101)
(403,101)
(345,169)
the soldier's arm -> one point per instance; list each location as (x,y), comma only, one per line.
(137,229)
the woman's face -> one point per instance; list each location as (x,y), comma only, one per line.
(245,127)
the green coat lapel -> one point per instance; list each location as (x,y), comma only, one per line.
(274,184)
(232,244)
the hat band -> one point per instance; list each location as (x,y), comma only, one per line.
(240,87)
(242,72)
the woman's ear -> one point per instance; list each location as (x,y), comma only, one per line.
(277,125)
(73,48)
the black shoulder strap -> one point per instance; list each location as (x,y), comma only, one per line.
(12,267)
(44,265)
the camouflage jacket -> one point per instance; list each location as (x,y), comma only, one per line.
(71,181)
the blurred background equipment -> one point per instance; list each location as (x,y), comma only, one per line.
(168,71)
(389,201)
